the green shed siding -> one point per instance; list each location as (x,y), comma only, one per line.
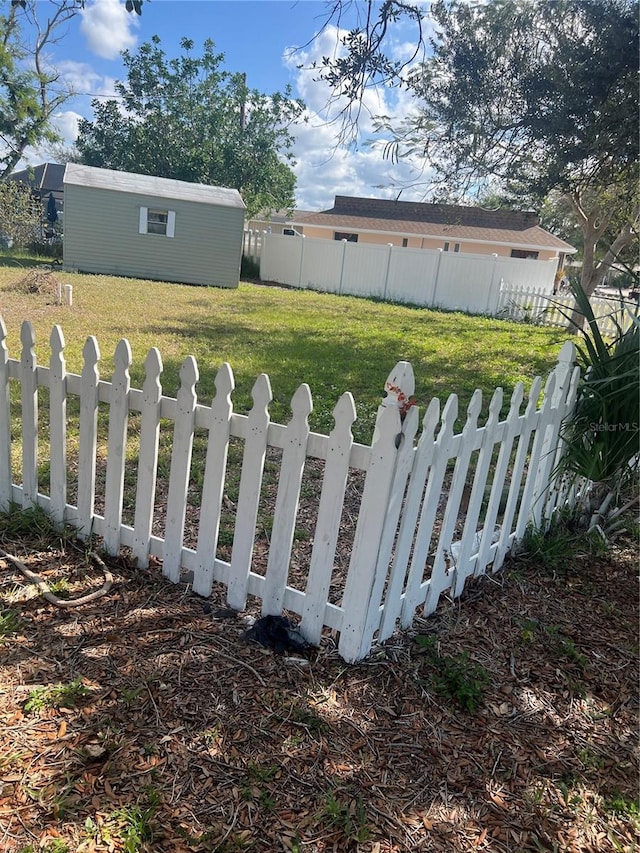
(102,235)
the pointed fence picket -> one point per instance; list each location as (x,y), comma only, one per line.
(6,477)
(29,408)
(539,306)
(58,425)
(432,514)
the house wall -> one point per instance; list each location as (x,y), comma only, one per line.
(102,236)
(415,242)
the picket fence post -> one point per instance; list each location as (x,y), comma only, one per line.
(294,454)
(400,574)
(58,426)
(500,472)
(88,437)
(443,571)
(117,447)
(255,451)
(328,520)
(180,469)
(147,457)
(367,572)
(562,397)
(463,567)
(29,401)
(438,453)
(5,423)
(214,474)
(528,424)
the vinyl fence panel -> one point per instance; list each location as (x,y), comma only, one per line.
(321,265)
(413,274)
(281,259)
(365,270)
(451,280)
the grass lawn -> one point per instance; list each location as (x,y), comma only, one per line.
(144,722)
(333,343)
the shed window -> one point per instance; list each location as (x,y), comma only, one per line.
(523,253)
(155,220)
(345,235)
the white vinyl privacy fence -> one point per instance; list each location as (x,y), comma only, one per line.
(433,278)
(437,504)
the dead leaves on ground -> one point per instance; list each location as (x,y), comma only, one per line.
(187,738)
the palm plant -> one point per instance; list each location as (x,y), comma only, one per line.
(601,437)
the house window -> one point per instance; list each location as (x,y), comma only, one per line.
(344,235)
(405,242)
(522,253)
(155,220)
(456,247)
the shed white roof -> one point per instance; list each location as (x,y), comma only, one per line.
(129,182)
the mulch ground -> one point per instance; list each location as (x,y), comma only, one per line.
(144,721)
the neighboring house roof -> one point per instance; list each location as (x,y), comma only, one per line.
(129,182)
(442,221)
(43,179)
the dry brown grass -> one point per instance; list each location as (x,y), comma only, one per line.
(39,280)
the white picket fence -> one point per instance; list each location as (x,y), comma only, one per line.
(534,305)
(430,513)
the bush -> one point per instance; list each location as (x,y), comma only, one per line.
(601,434)
(20,214)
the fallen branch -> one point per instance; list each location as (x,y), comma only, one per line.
(46,593)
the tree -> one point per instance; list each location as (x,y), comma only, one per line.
(188,119)
(20,214)
(31,91)
(532,98)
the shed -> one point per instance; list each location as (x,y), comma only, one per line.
(120,223)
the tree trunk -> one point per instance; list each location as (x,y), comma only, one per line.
(593,273)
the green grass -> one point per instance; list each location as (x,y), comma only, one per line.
(333,343)
(455,676)
(57,696)
(9,622)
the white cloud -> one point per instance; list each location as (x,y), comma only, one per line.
(83,80)
(108,28)
(66,124)
(325,165)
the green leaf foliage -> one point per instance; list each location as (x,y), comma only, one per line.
(30,89)
(519,97)
(532,94)
(20,214)
(189,119)
(602,435)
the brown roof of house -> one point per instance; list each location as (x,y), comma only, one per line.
(444,221)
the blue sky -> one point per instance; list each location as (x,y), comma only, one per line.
(257,37)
